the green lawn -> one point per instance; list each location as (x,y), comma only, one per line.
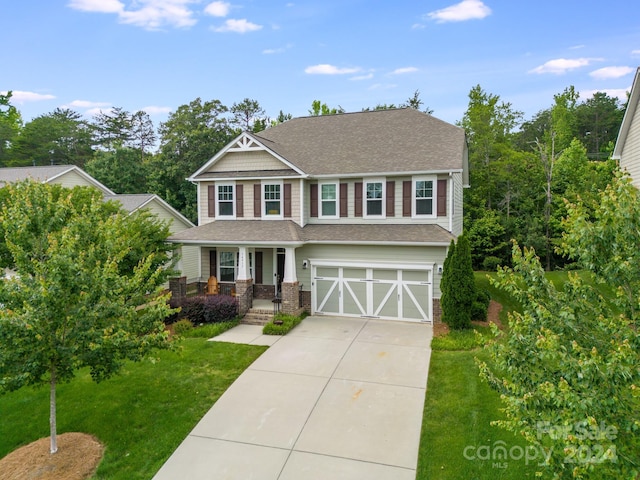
(141,415)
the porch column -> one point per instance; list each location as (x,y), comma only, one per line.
(244,282)
(244,272)
(290,285)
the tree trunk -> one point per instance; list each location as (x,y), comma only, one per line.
(52,412)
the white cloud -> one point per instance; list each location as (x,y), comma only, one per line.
(18,96)
(98,110)
(635,52)
(218,9)
(465,10)
(149,14)
(238,26)
(611,72)
(576,47)
(368,76)
(418,26)
(562,65)
(382,86)
(271,51)
(99,6)
(402,71)
(155,110)
(326,69)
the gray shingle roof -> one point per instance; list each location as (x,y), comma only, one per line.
(383,141)
(15,174)
(130,202)
(241,232)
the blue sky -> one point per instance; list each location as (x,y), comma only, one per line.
(156,55)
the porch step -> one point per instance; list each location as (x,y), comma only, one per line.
(257,316)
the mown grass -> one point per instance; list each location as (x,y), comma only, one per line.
(282,323)
(141,415)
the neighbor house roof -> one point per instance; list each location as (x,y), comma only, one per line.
(47,174)
(136,201)
(373,142)
(288,232)
(632,105)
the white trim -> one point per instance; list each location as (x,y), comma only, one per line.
(383,199)
(336,184)
(632,105)
(394,173)
(301,202)
(234,192)
(263,201)
(450,201)
(434,196)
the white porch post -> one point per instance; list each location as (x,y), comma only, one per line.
(244,272)
(290,265)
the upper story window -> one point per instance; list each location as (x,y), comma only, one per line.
(424,196)
(329,200)
(272,198)
(374,198)
(225,201)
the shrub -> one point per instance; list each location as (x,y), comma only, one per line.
(207,309)
(491,264)
(210,330)
(282,324)
(458,286)
(479,311)
(483,296)
(182,326)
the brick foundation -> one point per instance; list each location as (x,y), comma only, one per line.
(244,295)
(437,311)
(178,287)
(305,300)
(264,292)
(290,298)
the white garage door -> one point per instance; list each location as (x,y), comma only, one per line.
(373,291)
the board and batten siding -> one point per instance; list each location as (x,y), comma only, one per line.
(630,157)
(391,255)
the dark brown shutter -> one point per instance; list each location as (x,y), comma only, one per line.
(239,201)
(406,198)
(391,199)
(213,263)
(313,192)
(212,200)
(257,200)
(344,196)
(287,200)
(358,199)
(258,273)
(442,198)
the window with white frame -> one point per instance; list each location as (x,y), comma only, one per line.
(225,200)
(424,195)
(329,200)
(272,197)
(374,198)
(227,266)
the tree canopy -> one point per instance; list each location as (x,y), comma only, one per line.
(86,290)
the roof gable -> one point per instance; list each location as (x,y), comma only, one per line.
(50,173)
(242,157)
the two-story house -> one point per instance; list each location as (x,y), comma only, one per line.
(346,214)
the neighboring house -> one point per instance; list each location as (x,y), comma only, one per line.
(72,176)
(346,214)
(627,149)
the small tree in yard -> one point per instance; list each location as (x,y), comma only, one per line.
(458,285)
(86,291)
(569,368)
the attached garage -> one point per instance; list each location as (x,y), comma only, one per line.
(386,291)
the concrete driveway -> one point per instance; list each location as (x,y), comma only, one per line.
(336,398)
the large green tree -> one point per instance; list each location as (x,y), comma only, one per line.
(188,139)
(121,170)
(10,126)
(86,290)
(61,137)
(568,369)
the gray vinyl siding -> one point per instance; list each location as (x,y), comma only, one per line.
(456,183)
(391,255)
(72,179)
(630,157)
(247,162)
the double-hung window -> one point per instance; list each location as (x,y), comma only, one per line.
(225,200)
(329,200)
(424,196)
(374,198)
(272,197)
(227,266)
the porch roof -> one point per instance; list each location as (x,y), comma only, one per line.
(287,232)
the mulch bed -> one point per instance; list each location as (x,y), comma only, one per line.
(77,458)
(493,316)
